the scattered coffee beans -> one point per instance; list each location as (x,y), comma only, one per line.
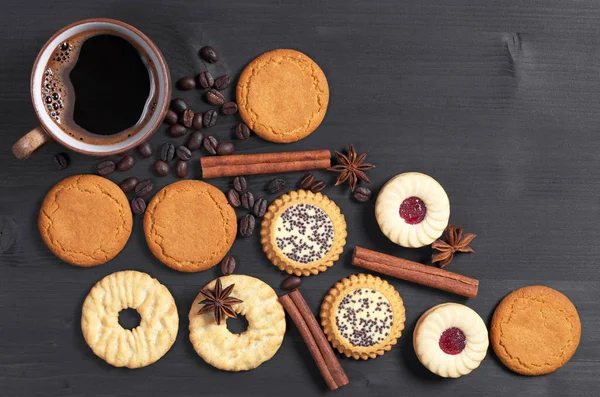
(186,83)
(144,187)
(183,153)
(178,105)
(240,184)
(171,117)
(242,131)
(209,54)
(197,121)
(215,97)
(229,108)
(128,184)
(161,168)
(206,80)
(61,161)
(187,118)
(291,283)
(247,224)
(138,205)
(126,163)
(145,150)
(210,118)
(210,143)
(167,152)
(195,140)
(225,148)
(234,198)
(222,82)
(228,265)
(362,194)
(317,186)
(181,168)
(307,181)
(106,167)
(260,208)
(177,130)
(276,186)
(247,200)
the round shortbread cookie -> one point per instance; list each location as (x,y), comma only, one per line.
(140,346)
(239,352)
(85,220)
(282,95)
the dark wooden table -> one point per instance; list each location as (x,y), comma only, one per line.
(499,102)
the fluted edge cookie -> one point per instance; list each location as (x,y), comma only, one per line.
(371,301)
(85,220)
(282,95)
(140,346)
(535,330)
(296,219)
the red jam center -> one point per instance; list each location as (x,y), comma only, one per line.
(413,210)
(452,341)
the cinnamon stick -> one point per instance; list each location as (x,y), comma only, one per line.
(415,272)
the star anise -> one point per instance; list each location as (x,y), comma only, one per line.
(456,241)
(351,167)
(219,302)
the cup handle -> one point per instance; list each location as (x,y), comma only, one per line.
(30,142)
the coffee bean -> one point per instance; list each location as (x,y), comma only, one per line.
(260,208)
(197,121)
(61,161)
(183,153)
(128,184)
(291,283)
(138,206)
(145,150)
(247,224)
(181,168)
(307,181)
(187,118)
(234,198)
(215,97)
(225,149)
(242,131)
(210,118)
(161,168)
(206,80)
(240,184)
(144,187)
(210,143)
(209,54)
(123,154)
(171,117)
(106,167)
(247,200)
(167,152)
(222,82)
(178,105)
(229,108)
(186,83)
(276,186)
(177,130)
(228,265)
(362,194)
(195,140)
(126,163)
(317,186)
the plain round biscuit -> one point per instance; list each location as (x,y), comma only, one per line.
(190,226)
(535,330)
(261,340)
(282,95)
(140,346)
(85,220)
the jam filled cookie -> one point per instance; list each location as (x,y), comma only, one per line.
(303,233)
(450,340)
(412,209)
(140,346)
(535,330)
(282,96)
(362,316)
(85,220)
(190,226)
(246,296)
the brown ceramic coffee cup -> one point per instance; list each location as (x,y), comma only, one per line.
(61,127)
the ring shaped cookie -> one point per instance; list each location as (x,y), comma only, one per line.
(85,220)
(440,321)
(303,233)
(261,340)
(140,346)
(426,196)
(282,95)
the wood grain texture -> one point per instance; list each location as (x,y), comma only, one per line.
(496,100)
